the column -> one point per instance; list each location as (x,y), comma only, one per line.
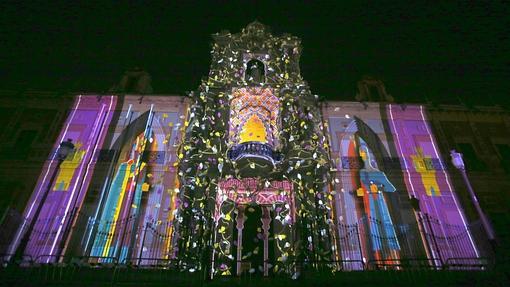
(240,226)
(266,221)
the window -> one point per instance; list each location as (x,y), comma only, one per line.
(471,160)
(24,144)
(374,93)
(131,85)
(504,155)
(255,72)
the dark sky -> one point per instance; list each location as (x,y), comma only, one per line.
(443,51)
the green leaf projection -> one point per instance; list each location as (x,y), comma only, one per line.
(249,174)
(269,106)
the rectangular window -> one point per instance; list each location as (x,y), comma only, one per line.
(471,160)
(24,144)
(504,155)
(374,93)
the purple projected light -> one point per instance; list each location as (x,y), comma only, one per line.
(426,179)
(86,126)
(150,128)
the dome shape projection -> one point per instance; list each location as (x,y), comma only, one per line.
(253,130)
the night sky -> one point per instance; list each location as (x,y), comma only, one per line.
(443,52)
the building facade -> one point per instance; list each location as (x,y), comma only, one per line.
(252,173)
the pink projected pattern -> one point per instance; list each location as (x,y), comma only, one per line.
(254,102)
(86,127)
(426,179)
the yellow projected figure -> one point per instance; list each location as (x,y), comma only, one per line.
(68,167)
(253,131)
(428,176)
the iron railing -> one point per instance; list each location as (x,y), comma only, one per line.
(149,245)
(254,149)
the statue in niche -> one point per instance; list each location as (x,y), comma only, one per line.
(255,72)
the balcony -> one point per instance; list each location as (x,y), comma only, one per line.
(254,158)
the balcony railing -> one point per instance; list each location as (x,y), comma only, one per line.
(254,149)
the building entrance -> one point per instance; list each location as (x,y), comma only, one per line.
(260,227)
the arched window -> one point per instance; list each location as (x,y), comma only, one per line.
(255,72)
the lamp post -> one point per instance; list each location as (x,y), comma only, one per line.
(63,151)
(458,162)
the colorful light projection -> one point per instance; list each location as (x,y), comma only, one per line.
(234,199)
(369,220)
(123,200)
(68,168)
(427,180)
(253,130)
(373,186)
(86,127)
(136,208)
(254,116)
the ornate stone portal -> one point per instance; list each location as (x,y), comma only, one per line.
(253,169)
(273,197)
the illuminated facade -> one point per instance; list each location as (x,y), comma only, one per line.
(249,173)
